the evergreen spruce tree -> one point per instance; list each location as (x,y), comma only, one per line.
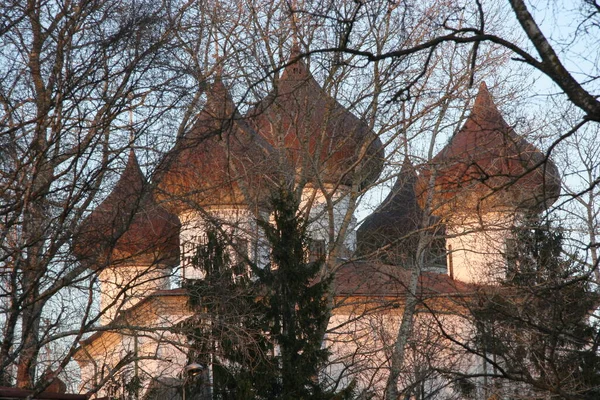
(296,313)
(222,333)
(536,326)
(282,309)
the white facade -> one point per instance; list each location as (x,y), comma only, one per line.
(150,351)
(361,341)
(123,286)
(237,224)
(361,337)
(476,246)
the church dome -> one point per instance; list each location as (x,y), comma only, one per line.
(391,232)
(128,226)
(487,166)
(321,138)
(396,220)
(218,163)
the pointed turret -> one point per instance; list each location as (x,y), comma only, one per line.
(391,229)
(320,138)
(218,162)
(486,178)
(128,226)
(391,233)
(487,166)
(131,242)
(219,103)
(297,71)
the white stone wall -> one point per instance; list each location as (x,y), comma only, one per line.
(321,214)
(361,345)
(477,246)
(123,286)
(157,359)
(238,222)
(155,353)
(234,222)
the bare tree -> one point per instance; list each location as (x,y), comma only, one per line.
(472,30)
(71,74)
(83,83)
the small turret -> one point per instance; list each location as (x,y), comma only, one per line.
(488,167)
(216,178)
(128,226)
(130,241)
(319,145)
(485,179)
(391,233)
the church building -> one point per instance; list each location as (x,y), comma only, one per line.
(450,219)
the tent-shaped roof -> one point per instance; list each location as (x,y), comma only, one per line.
(128,225)
(391,232)
(395,222)
(317,134)
(220,161)
(487,166)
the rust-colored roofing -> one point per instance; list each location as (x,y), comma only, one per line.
(487,165)
(128,225)
(317,135)
(373,279)
(220,161)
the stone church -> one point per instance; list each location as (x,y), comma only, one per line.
(455,215)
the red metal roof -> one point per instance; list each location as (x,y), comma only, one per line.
(128,224)
(221,161)
(372,279)
(487,165)
(318,135)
